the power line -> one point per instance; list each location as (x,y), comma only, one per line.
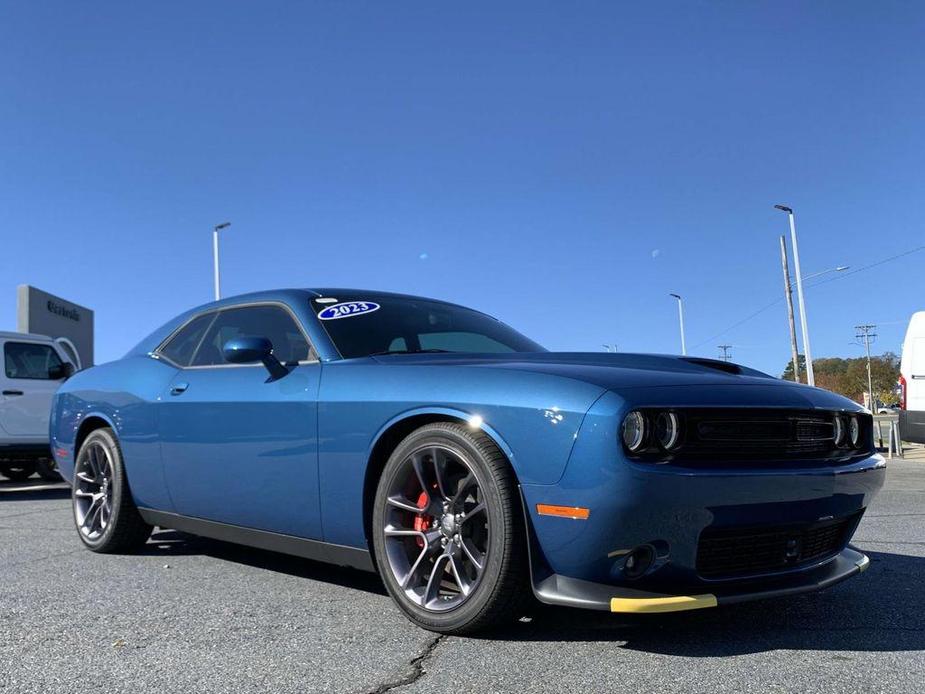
(744,320)
(842,275)
(839,276)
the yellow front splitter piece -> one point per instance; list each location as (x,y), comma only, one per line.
(667,603)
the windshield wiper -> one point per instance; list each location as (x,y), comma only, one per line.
(409,351)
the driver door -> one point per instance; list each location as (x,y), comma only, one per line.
(238,446)
(31,375)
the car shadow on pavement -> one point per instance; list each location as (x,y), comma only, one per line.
(878,611)
(171,542)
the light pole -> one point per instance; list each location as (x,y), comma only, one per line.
(807,352)
(217,228)
(788,296)
(681,321)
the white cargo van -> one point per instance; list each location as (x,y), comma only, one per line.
(912,381)
(33,368)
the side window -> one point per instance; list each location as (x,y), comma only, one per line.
(271,322)
(30,360)
(181,346)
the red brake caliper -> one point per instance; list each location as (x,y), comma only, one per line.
(422,521)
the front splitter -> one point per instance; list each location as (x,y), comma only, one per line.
(573,592)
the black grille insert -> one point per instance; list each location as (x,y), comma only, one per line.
(756,437)
(737,552)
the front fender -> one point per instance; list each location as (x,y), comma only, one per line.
(125,394)
(474,420)
(533,418)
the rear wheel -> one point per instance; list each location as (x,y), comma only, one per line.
(448,531)
(18,470)
(104,513)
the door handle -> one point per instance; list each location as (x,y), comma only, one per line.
(179,389)
(12,392)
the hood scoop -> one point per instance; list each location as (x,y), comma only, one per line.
(724,366)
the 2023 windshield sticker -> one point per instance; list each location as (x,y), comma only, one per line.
(347,309)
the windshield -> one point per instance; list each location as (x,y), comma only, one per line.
(373,324)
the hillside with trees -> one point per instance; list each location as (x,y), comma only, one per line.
(849,376)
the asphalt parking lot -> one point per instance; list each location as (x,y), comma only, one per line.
(195,615)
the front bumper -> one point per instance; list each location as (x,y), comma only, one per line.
(625,505)
(573,592)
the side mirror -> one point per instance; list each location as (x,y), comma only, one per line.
(62,371)
(251,349)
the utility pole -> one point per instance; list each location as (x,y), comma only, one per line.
(217,228)
(681,321)
(866,334)
(807,352)
(725,356)
(788,294)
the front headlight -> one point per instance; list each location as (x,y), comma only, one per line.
(839,430)
(634,431)
(854,431)
(667,430)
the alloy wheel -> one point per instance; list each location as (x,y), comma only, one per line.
(93,490)
(436,528)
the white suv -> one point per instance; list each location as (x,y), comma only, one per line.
(33,368)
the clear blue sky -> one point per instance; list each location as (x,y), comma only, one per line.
(562,166)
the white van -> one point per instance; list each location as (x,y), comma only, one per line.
(912,381)
(33,368)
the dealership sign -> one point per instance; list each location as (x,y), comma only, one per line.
(62,310)
(46,314)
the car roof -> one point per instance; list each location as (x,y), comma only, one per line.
(334,292)
(34,337)
(291,295)
(338,292)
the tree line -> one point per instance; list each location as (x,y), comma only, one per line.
(848,377)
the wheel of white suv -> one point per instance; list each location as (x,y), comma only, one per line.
(47,470)
(17,470)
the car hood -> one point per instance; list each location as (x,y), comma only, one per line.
(606,370)
(693,381)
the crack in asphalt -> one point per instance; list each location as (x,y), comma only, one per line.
(416,666)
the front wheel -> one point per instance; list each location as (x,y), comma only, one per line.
(448,531)
(104,512)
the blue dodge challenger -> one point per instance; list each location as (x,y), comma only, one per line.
(466,464)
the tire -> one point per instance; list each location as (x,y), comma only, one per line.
(18,471)
(105,515)
(47,470)
(451,549)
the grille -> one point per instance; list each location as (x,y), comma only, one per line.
(718,437)
(736,552)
